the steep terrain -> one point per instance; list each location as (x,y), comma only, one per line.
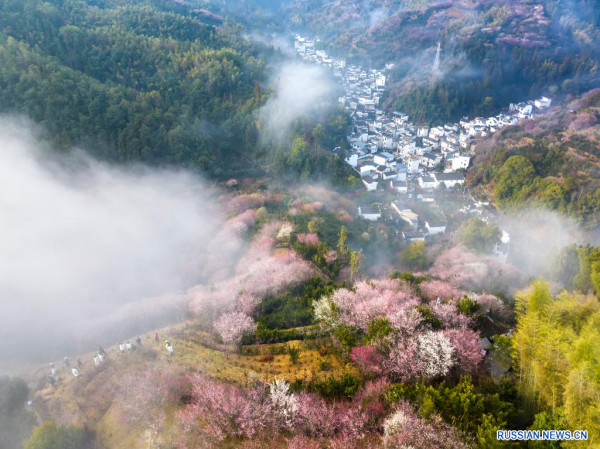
(550,161)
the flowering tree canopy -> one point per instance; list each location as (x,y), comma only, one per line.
(404,429)
(234,326)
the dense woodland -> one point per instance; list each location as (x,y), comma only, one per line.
(149,82)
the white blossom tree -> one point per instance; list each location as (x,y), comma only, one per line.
(436,353)
(234,326)
(284,402)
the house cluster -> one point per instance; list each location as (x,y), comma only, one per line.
(413,228)
(392,152)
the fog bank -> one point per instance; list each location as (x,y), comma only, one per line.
(300,90)
(81,239)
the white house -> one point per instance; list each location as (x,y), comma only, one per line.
(388,142)
(399,117)
(367,168)
(391,174)
(401,170)
(422,131)
(428,182)
(352,160)
(524,109)
(430,159)
(435,227)
(449,179)
(413,164)
(370,183)
(382,158)
(406,215)
(398,186)
(459,161)
(369,213)
(429,142)
(543,102)
(413,236)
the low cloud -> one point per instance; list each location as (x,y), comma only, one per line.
(300,90)
(81,239)
(536,237)
(281,42)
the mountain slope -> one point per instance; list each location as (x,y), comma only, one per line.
(131,81)
(551,161)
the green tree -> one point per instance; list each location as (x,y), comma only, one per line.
(318,133)
(414,256)
(565,265)
(556,356)
(294,353)
(512,180)
(355,263)
(52,436)
(548,421)
(478,236)
(342,247)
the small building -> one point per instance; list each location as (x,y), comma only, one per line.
(369,213)
(367,168)
(370,183)
(449,179)
(430,159)
(427,182)
(435,227)
(413,165)
(413,236)
(406,215)
(390,174)
(352,160)
(383,158)
(398,186)
(460,161)
(401,170)
(543,102)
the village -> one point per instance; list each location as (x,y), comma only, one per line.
(412,164)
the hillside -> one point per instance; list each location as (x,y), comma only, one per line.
(298,248)
(92,399)
(550,161)
(493,52)
(131,81)
(288,341)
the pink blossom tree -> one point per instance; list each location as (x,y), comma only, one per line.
(143,394)
(308,239)
(434,289)
(217,411)
(467,349)
(285,403)
(436,354)
(427,355)
(475,271)
(404,429)
(379,298)
(368,360)
(232,327)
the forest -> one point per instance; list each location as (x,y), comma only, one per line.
(149,82)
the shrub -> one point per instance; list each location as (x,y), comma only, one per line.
(52,436)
